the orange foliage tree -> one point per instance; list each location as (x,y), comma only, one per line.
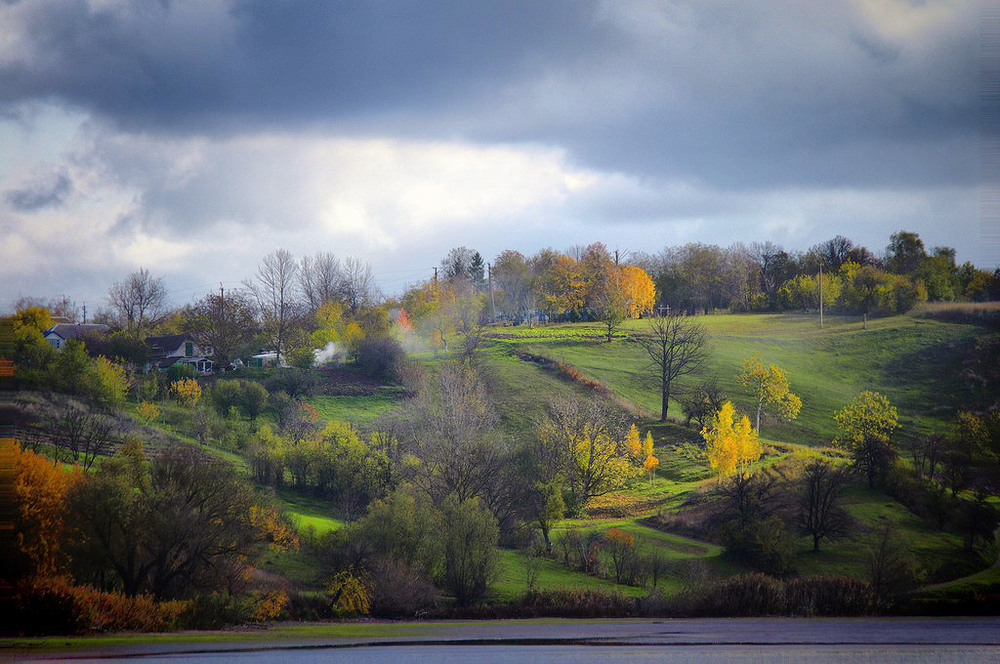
(39,495)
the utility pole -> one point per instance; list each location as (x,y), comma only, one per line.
(85,313)
(493,302)
(821,295)
(435,275)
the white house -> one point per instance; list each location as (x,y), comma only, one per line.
(60,333)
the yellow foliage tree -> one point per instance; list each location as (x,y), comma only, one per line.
(563,287)
(649,462)
(348,594)
(769,385)
(633,442)
(36,319)
(731,444)
(186,391)
(639,291)
(112,382)
(147,412)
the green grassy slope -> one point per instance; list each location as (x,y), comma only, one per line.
(912,360)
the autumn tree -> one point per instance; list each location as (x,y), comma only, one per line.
(639,291)
(563,286)
(731,443)
(820,512)
(38,487)
(138,300)
(587,441)
(868,423)
(769,386)
(676,346)
(649,460)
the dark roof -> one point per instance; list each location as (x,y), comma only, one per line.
(161,345)
(78,330)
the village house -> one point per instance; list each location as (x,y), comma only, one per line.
(60,333)
(164,352)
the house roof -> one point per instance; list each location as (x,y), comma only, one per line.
(170,341)
(78,330)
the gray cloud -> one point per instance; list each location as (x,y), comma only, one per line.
(39,195)
(738,95)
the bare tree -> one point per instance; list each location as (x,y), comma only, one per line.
(84,432)
(273,290)
(320,279)
(677,346)
(820,512)
(137,300)
(359,287)
(454,432)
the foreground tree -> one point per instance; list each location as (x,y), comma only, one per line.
(182,523)
(588,442)
(769,385)
(868,423)
(820,512)
(676,346)
(137,301)
(730,442)
(469,538)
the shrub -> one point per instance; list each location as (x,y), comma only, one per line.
(348,594)
(54,606)
(269,605)
(396,590)
(296,383)
(186,391)
(216,610)
(381,358)
(181,371)
(110,384)
(147,412)
(829,596)
(576,604)
(247,395)
(752,594)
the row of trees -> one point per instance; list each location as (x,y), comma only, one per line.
(764,276)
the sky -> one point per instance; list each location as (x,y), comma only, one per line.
(192,138)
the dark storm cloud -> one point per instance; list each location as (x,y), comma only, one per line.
(780,94)
(40,195)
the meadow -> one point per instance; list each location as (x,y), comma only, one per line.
(914,360)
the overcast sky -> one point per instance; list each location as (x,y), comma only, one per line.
(193,138)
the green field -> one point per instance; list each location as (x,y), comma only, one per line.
(358,410)
(909,359)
